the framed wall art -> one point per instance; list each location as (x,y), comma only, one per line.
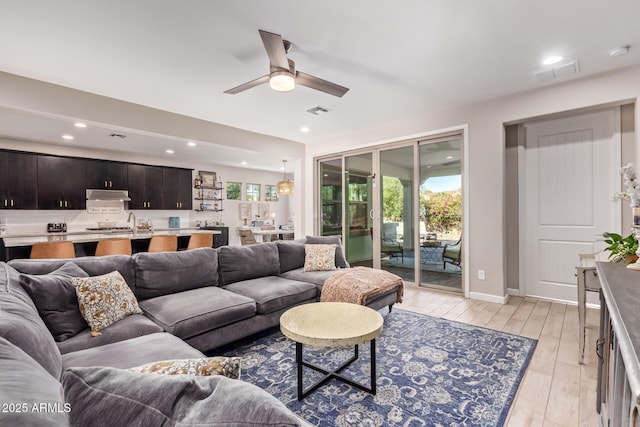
(208,179)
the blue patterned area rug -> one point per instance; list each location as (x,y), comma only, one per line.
(430,372)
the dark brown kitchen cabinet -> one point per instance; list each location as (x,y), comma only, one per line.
(176,188)
(108,175)
(18,180)
(61,183)
(145,186)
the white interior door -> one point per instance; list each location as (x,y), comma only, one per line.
(571,174)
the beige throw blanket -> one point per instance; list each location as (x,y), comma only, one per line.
(357,284)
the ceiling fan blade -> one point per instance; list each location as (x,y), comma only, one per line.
(248,85)
(316,83)
(275,49)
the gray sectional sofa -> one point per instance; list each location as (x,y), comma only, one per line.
(192,302)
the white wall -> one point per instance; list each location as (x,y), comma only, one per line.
(486,219)
(36,220)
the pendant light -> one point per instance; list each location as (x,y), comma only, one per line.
(284,187)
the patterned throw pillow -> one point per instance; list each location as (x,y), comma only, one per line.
(104,300)
(319,257)
(219,365)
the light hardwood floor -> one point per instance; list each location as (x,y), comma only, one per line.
(556,390)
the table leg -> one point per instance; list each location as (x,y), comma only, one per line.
(335,374)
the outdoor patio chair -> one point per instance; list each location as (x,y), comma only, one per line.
(451,254)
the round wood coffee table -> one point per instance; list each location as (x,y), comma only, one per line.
(332,324)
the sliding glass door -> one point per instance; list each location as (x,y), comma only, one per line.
(440,225)
(398,208)
(397,241)
(358,182)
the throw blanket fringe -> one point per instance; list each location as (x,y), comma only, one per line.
(357,284)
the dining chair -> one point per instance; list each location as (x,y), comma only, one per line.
(269,237)
(113,247)
(167,243)
(50,250)
(247,237)
(200,240)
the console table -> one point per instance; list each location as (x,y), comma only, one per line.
(618,393)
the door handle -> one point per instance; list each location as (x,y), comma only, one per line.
(371,213)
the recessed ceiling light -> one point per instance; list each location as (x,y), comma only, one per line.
(191,144)
(243,163)
(169,151)
(304,129)
(80,125)
(449,157)
(619,51)
(67,137)
(552,60)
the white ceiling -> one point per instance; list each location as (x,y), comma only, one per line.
(397,58)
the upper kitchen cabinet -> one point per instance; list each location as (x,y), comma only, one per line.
(108,175)
(145,186)
(177,192)
(18,180)
(61,183)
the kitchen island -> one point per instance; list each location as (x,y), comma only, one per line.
(18,245)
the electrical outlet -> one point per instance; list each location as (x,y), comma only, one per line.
(481,275)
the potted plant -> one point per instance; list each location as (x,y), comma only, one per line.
(622,249)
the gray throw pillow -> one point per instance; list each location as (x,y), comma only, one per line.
(24,384)
(118,397)
(55,298)
(341,261)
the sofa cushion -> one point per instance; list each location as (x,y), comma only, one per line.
(164,273)
(118,397)
(93,265)
(201,367)
(21,325)
(132,352)
(104,300)
(55,298)
(291,254)
(193,312)
(341,261)
(272,293)
(132,326)
(24,384)
(315,277)
(248,262)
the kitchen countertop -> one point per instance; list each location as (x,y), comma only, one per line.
(28,239)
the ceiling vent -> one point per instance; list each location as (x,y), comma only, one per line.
(559,71)
(316,111)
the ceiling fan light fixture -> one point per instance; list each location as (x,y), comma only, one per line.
(284,187)
(282,81)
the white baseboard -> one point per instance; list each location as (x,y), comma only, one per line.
(515,292)
(489,297)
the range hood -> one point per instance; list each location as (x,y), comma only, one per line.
(108,195)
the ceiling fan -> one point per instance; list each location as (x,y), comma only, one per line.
(282,71)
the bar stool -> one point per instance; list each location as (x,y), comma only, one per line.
(113,247)
(163,243)
(200,240)
(53,250)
